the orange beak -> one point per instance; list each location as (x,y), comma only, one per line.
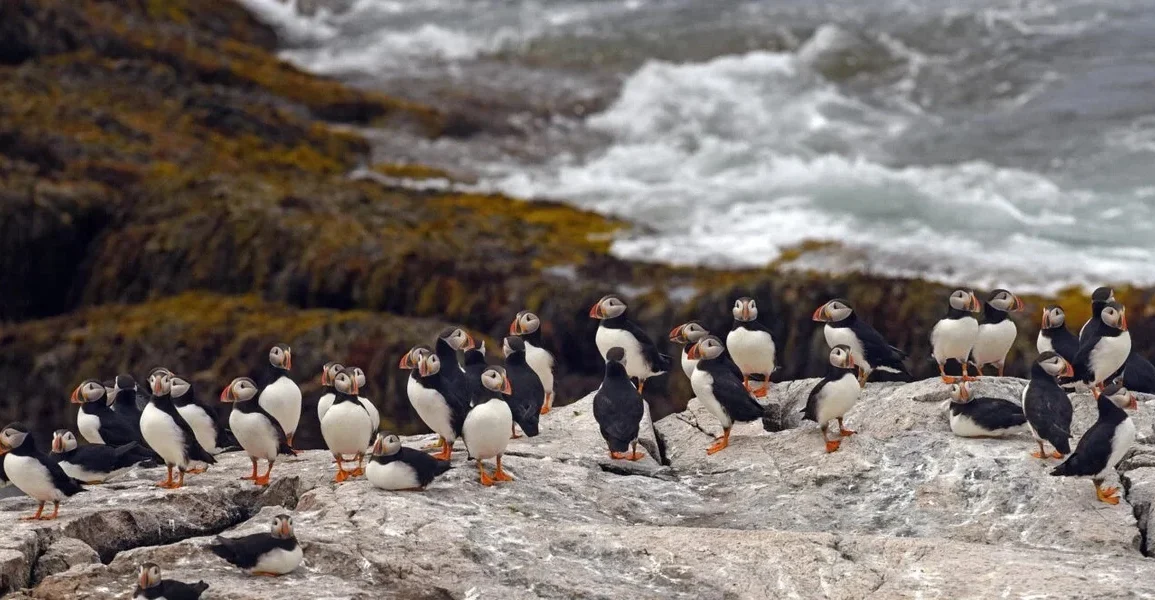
(515,327)
(676,334)
(1134,404)
(378,445)
(356,389)
(1046,319)
(694,353)
(963,393)
(57,445)
(143,579)
(506,388)
(1069,371)
(470,343)
(746,312)
(596,311)
(1019,306)
(288,360)
(75,399)
(422,370)
(324,376)
(227,394)
(850,362)
(975,305)
(1123,321)
(4,449)
(406,361)
(156,387)
(285,530)
(820,314)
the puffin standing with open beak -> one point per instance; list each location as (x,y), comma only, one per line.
(688,334)
(953,337)
(870,350)
(255,429)
(1103,445)
(527,326)
(719,386)
(834,396)
(167,433)
(751,345)
(616,330)
(997,332)
(1105,347)
(280,396)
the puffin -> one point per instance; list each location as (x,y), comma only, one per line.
(99,424)
(486,427)
(449,342)
(997,332)
(255,429)
(150,586)
(1099,299)
(955,334)
(94,463)
(125,397)
(527,326)
(688,334)
(167,433)
(1122,397)
(279,394)
(474,363)
(1047,407)
(1054,335)
(528,394)
(1102,446)
(834,395)
(328,371)
(1139,374)
(719,386)
(347,427)
(618,409)
(616,330)
(395,467)
(441,406)
(374,414)
(983,417)
(35,474)
(271,554)
(203,420)
(751,345)
(1105,346)
(870,350)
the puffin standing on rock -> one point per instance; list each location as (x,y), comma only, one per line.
(955,334)
(527,326)
(688,334)
(643,360)
(718,385)
(441,406)
(347,426)
(528,394)
(150,586)
(983,417)
(487,425)
(1103,445)
(449,342)
(834,396)
(751,345)
(1046,406)
(1054,335)
(94,463)
(98,423)
(1099,300)
(870,350)
(997,332)
(167,433)
(256,430)
(1105,346)
(395,467)
(270,554)
(125,397)
(618,409)
(328,372)
(35,474)
(211,436)
(279,394)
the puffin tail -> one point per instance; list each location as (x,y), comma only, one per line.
(1063,445)
(1068,468)
(221,548)
(441,466)
(200,587)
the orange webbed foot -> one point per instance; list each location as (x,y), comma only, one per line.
(619,455)
(718,445)
(263,480)
(1108,495)
(446,452)
(248,478)
(341,477)
(544,410)
(485,478)
(635,455)
(358,472)
(196,471)
(1056,454)
(832,445)
(1038,454)
(847,432)
(501,475)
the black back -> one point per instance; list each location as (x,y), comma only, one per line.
(475,365)
(1065,343)
(1095,331)
(125,402)
(991,413)
(833,373)
(253,406)
(115,428)
(192,448)
(1094,449)
(451,372)
(1048,409)
(528,393)
(170,589)
(426,467)
(992,314)
(60,480)
(245,551)
(618,408)
(459,398)
(730,391)
(1139,374)
(269,374)
(878,352)
(100,458)
(656,360)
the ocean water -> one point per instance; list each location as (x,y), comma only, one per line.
(983,142)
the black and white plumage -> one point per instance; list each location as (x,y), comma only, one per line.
(983,417)
(125,397)
(347,427)
(167,433)
(473,364)
(440,405)
(1103,445)
(997,332)
(954,336)
(751,345)
(1105,346)
(834,395)
(528,394)
(328,372)
(1099,300)
(280,396)
(273,553)
(615,329)
(33,473)
(213,437)
(1054,335)
(255,429)
(94,463)
(395,467)
(1046,406)
(1139,374)
(449,342)
(374,414)
(686,335)
(487,426)
(619,408)
(527,326)
(99,424)
(718,385)
(150,586)
(870,350)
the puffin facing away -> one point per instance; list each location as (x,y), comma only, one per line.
(870,350)
(449,342)
(718,385)
(38,476)
(527,326)
(955,334)
(618,409)
(1102,446)
(94,463)
(1099,299)
(751,345)
(1054,335)
(1047,407)
(271,554)
(487,426)
(98,423)
(983,417)
(257,431)
(528,394)
(1105,346)
(125,397)
(167,433)
(834,396)
(279,394)
(395,467)
(210,435)
(997,332)
(688,334)
(150,586)
(616,330)
(440,405)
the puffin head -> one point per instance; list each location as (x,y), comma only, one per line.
(707,348)
(345,382)
(89,391)
(63,441)
(834,311)
(1120,396)
(386,444)
(964,300)
(607,308)
(494,380)
(745,309)
(960,393)
(328,371)
(1054,317)
(12,436)
(241,389)
(180,386)
(512,344)
(1005,301)
(429,365)
(458,338)
(688,332)
(411,359)
(282,527)
(1055,365)
(281,357)
(1103,294)
(524,323)
(160,381)
(148,576)
(359,376)
(1114,315)
(841,357)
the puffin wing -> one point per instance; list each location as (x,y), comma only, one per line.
(1139,374)
(1049,411)
(995,413)
(732,395)
(1065,344)
(60,479)
(244,551)
(811,410)
(426,466)
(618,411)
(179,590)
(1091,455)
(116,430)
(658,362)
(878,352)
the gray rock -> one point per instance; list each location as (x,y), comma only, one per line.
(63,554)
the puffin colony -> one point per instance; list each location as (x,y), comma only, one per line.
(458,395)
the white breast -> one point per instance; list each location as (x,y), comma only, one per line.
(346,428)
(487,428)
(432,408)
(541,361)
(279,561)
(844,336)
(1023,402)
(688,364)
(1120,444)
(1110,354)
(953,338)
(282,399)
(396,475)
(323,405)
(32,477)
(255,433)
(635,362)
(994,341)
(703,384)
(203,426)
(837,398)
(162,434)
(1043,344)
(89,427)
(752,351)
(82,474)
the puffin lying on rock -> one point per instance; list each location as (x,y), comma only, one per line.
(270,554)
(150,586)
(395,467)
(983,417)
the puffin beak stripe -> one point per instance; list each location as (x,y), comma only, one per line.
(1046,319)
(820,314)
(1019,304)
(406,362)
(507,388)
(470,343)
(355,390)
(694,353)
(596,311)
(676,333)
(1069,371)
(1134,404)
(4,449)
(515,327)
(1123,321)
(227,394)
(75,399)
(288,361)
(422,370)
(143,579)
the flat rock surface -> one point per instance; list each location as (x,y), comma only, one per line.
(903,510)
